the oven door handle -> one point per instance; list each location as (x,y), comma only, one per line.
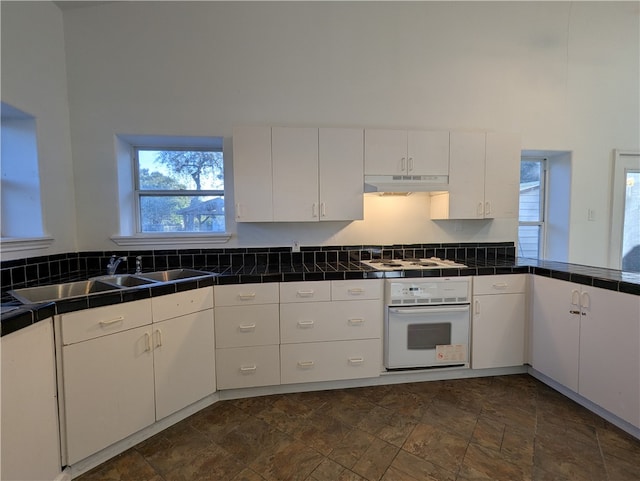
(428,310)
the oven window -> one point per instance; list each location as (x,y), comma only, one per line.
(427,336)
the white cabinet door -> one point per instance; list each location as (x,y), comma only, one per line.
(294,156)
(253,325)
(385,152)
(181,303)
(610,352)
(427,152)
(30,438)
(502,176)
(184,361)
(108,390)
(498,328)
(252,174)
(341,167)
(465,199)
(241,367)
(555,331)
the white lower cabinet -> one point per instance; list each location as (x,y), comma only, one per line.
(122,369)
(247,335)
(588,339)
(30,446)
(324,337)
(498,321)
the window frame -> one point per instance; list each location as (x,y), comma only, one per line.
(139,193)
(543,205)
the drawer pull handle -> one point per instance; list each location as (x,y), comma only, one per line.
(247,297)
(248,327)
(356,322)
(305,364)
(500,285)
(356,360)
(308,293)
(356,291)
(306,324)
(158,338)
(147,342)
(248,369)
(111,321)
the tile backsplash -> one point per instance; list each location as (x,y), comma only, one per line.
(42,270)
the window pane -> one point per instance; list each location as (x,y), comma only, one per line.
(180,170)
(530,191)
(529,241)
(181,213)
(631,229)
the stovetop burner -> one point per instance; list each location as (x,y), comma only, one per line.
(413,263)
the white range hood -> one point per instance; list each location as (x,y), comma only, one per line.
(406,183)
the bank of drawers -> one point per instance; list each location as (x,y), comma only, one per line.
(247,335)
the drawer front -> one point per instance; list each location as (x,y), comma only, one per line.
(356,289)
(91,323)
(240,367)
(502,284)
(311,291)
(330,321)
(238,326)
(329,361)
(246,294)
(181,303)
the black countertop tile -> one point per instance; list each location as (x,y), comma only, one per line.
(16,316)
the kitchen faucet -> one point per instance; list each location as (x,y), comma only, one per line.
(114,261)
(139,265)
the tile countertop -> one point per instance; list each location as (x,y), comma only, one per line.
(16,316)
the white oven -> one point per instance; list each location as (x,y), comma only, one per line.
(427,322)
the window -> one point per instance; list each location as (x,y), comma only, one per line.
(179,190)
(531,229)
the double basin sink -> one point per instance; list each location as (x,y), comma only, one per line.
(68,290)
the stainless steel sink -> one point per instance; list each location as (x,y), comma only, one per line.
(125,280)
(56,292)
(173,275)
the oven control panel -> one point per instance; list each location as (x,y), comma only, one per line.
(442,290)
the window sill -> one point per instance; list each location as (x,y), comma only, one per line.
(16,244)
(171,239)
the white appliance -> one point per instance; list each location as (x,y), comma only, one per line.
(427,323)
(417,264)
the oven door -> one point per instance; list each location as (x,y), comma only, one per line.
(427,336)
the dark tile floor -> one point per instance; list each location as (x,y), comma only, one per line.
(501,428)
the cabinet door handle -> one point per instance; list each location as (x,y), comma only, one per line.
(308,293)
(313,210)
(356,360)
(500,285)
(247,327)
(247,297)
(487,208)
(355,291)
(111,321)
(572,311)
(158,338)
(248,369)
(403,163)
(305,324)
(305,364)
(238,216)
(356,322)
(147,342)
(477,307)
(480,209)
(585,301)
(323,209)
(575,297)
(410,169)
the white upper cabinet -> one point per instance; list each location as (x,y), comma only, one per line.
(406,152)
(484,174)
(252,174)
(294,154)
(341,164)
(298,174)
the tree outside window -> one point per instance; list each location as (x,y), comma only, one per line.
(180,190)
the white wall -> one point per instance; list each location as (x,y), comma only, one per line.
(564,75)
(34,80)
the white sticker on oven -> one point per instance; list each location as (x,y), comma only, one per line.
(451,352)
